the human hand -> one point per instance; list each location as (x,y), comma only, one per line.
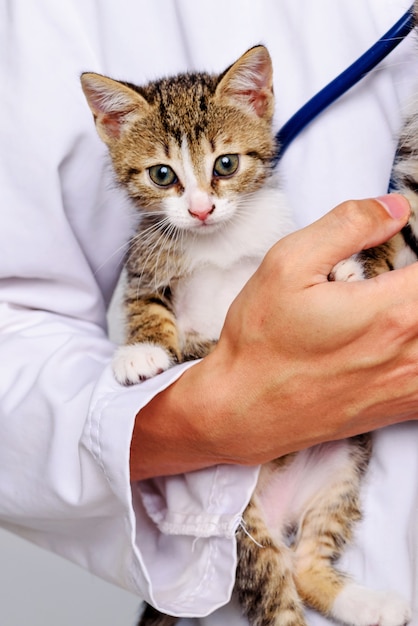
(300,360)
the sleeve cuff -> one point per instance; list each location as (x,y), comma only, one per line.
(181,528)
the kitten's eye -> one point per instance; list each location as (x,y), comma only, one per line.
(162,175)
(226,165)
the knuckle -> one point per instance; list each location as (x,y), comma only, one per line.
(353,215)
(363,219)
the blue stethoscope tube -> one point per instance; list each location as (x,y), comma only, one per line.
(343,82)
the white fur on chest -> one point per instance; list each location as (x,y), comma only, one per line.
(220,263)
(201,300)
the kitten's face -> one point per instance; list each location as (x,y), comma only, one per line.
(190,148)
(196,188)
(195,183)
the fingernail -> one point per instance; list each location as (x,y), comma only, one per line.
(396,205)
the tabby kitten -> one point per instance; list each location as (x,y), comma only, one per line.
(194,153)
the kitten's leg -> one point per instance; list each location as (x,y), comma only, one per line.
(348,270)
(196,347)
(358,606)
(369,263)
(152,338)
(264,581)
(327,527)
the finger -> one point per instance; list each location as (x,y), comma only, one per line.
(352,226)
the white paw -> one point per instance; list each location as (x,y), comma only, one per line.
(359,606)
(137,362)
(347,270)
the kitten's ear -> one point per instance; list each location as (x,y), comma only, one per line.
(112,103)
(249,82)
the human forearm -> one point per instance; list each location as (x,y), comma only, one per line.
(316,361)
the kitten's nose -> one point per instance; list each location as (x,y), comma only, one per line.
(202,213)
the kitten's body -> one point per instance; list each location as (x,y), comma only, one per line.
(194,153)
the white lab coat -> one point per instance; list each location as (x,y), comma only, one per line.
(65,423)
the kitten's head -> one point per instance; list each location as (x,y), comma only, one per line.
(188,148)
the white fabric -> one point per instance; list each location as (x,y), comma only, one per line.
(65,424)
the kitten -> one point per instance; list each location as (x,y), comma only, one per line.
(194,153)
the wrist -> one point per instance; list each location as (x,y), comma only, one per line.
(182,428)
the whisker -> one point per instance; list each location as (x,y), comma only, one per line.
(155,244)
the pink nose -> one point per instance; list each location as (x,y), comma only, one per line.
(202,213)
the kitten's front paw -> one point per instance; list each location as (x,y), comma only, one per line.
(348,270)
(359,606)
(135,363)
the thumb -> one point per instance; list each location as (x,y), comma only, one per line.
(353,226)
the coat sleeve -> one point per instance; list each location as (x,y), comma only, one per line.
(64,471)
(65,424)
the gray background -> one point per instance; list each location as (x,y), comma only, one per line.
(41,589)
